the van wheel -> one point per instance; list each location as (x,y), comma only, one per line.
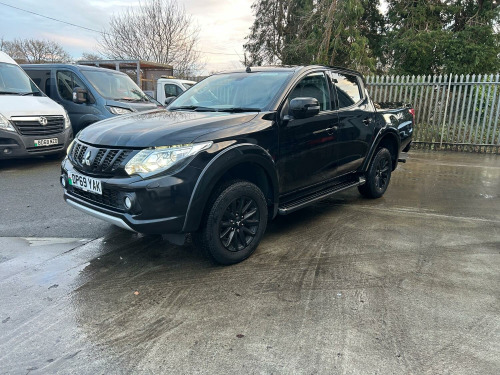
(233,224)
(378,175)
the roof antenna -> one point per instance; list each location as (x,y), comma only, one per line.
(249,70)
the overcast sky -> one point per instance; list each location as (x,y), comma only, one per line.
(223,25)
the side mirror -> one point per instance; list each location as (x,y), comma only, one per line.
(169,100)
(80,95)
(304,107)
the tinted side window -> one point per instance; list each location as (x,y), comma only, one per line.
(348,89)
(41,79)
(66,82)
(179,90)
(313,85)
(170,90)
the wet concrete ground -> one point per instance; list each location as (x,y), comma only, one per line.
(407,284)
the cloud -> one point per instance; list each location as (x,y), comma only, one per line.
(223,24)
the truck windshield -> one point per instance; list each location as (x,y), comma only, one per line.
(14,81)
(233,91)
(115,86)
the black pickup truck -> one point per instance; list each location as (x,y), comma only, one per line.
(233,152)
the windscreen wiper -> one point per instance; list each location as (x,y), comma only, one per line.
(239,109)
(28,93)
(195,108)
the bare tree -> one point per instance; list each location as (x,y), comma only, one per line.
(156,30)
(34,51)
(91,56)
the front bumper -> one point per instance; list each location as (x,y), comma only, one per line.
(15,145)
(158,204)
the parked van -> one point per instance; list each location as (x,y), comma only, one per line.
(30,122)
(89,94)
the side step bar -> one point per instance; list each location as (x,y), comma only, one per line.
(290,207)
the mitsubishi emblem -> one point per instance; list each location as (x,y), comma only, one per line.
(43,120)
(86,158)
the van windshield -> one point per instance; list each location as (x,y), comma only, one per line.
(115,86)
(14,81)
(233,92)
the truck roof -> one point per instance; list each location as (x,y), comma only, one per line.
(289,68)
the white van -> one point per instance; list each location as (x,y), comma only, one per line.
(167,89)
(30,122)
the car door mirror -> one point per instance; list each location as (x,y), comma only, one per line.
(304,107)
(169,100)
(80,95)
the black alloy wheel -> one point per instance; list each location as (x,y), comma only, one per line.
(234,222)
(239,223)
(382,173)
(378,175)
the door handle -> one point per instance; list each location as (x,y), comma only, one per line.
(332,130)
(367,121)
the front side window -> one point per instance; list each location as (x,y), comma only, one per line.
(14,81)
(187,85)
(67,81)
(172,90)
(315,86)
(348,89)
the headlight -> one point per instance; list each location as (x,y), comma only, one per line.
(5,124)
(119,110)
(67,121)
(155,160)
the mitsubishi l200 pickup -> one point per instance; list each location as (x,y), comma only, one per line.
(233,152)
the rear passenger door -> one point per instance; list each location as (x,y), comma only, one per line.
(356,121)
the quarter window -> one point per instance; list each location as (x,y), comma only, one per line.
(348,89)
(66,82)
(315,86)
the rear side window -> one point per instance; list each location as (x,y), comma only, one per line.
(41,79)
(66,82)
(348,89)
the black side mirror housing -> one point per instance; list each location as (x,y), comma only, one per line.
(80,95)
(169,100)
(304,107)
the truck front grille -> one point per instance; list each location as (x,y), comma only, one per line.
(103,161)
(33,125)
(109,198)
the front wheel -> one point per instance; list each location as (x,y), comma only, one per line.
(234,222)
(378,175)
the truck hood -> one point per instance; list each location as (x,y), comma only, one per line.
(159,128)
(15,105)
(139,106)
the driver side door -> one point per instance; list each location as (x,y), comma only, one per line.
(307,145)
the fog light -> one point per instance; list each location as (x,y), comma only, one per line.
(128,203)
(63,181)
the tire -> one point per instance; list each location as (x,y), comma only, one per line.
(378,175)
(223,237)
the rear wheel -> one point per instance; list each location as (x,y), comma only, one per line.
(378,175)
(234,222)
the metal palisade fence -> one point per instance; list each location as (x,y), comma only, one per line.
(452,112)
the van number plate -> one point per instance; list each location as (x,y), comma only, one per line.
(85,183)
(46,142)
